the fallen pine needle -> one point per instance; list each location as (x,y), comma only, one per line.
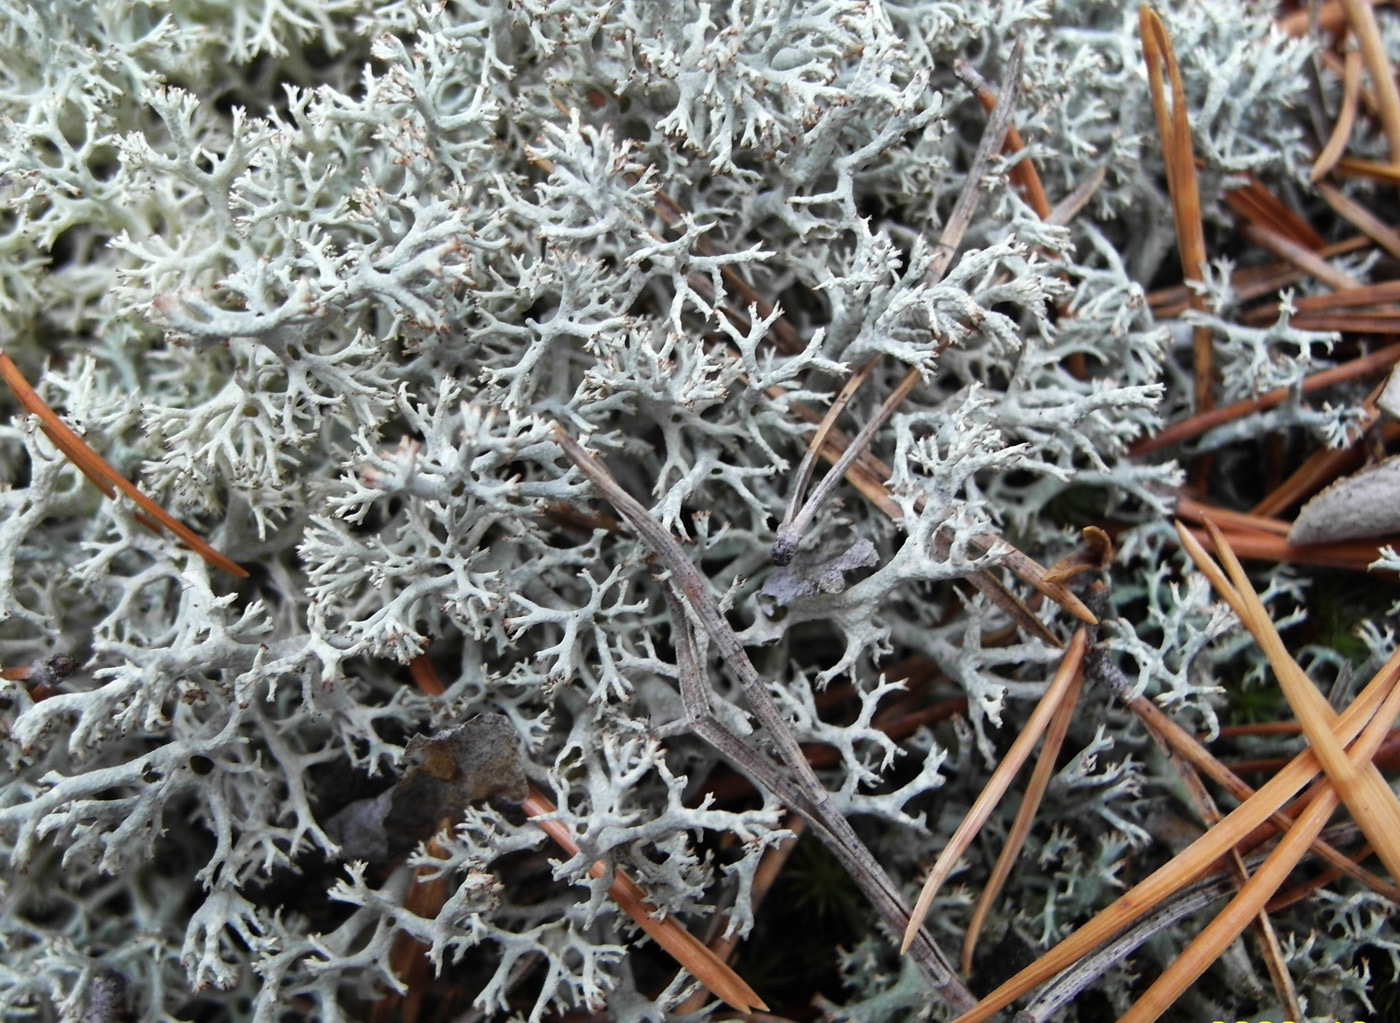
(1001,778)
(684,947)
(97,469)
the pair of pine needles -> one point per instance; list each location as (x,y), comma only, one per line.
(1341,748)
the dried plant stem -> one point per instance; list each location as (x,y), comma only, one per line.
(1023,174)
(1264,930)
(1304,259)
(803,791)
(1055,695)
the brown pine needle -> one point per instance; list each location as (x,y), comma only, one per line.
(1001,778)
(1201,422)
(1259,206)
(1346,118)
(1025,815)
(1023,173)
(1362,18)
(683,946)
(818,439)
(1195,511)
(97,469)
(1191,750)
(1371,802)
(1174,131)
(1189,864)
(769,867)
(1362,219)
(1249,901)
(1304,259)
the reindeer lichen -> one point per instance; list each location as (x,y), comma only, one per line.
(323,276)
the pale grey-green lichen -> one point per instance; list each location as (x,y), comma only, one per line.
(321,275)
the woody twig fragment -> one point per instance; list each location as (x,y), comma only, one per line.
(801,790)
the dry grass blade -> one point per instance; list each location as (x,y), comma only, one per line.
(97,469)
(1000,780)
(1211,942)
(1025,815)
(1189,864)
(683,946)
(1346,118)
(1362,219)
(1371,802)
(1201,422)
(1174,131)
